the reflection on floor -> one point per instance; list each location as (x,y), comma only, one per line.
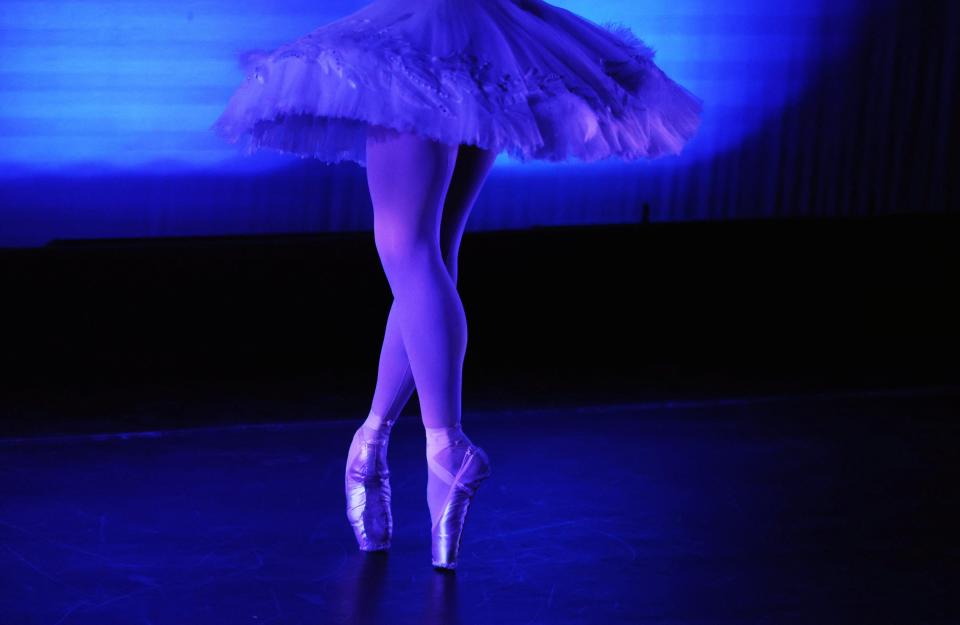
(830,509)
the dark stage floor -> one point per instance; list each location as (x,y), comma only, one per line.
(839,508)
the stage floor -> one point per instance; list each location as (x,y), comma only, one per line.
(840,508)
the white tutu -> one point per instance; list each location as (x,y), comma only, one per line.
(520,76)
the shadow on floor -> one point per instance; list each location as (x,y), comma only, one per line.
(830,509)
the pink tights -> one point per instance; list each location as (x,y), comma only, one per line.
(422,193)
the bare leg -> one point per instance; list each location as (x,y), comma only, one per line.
(395,383)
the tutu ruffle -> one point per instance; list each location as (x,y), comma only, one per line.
(520,76)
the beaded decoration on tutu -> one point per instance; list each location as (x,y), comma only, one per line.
(520,76)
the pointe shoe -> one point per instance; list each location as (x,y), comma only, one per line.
(448,530)
(367,486)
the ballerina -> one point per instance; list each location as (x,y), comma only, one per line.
(426,94)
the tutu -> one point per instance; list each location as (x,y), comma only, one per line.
(521,76)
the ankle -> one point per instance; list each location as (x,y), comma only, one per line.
(442,437)
(377,425)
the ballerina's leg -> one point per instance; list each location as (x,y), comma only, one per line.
(395,384)
(409,178)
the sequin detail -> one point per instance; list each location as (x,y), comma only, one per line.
(490,74)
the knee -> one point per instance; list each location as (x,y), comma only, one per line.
(449,254)
(450,237)
(400,247)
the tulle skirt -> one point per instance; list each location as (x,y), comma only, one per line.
(521,76)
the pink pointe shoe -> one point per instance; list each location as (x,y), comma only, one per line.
(367,486)
(448,530)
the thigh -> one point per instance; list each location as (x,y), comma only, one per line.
(472,167)
(408,176)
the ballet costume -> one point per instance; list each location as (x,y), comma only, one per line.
(518,76)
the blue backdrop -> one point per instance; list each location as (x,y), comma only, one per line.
(105,105)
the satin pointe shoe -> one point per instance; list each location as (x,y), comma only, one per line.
(367,486)
(448,529)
